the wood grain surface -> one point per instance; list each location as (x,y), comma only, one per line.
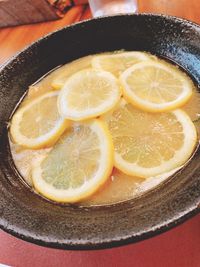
(14,39)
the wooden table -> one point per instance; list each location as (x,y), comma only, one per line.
(15,38)
(179,247)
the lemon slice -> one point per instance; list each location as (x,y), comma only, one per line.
(119,62)
(148,144)
(156,87)
(78,164)
(64,72)
(87,94)
(38,124)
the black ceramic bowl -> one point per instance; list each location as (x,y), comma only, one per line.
(32,218)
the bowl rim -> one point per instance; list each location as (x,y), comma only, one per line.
(48,35)
(110,244)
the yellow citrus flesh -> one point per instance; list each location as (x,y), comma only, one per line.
(88,94)
(148,144)
(156,87)
(64,72)
(77,165)
(38,124)
(119,62)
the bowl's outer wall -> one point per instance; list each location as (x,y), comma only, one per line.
(32,218)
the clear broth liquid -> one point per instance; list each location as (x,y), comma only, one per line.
(119,186)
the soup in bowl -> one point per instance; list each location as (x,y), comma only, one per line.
(150,113)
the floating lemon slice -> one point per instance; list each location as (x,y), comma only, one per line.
(88,94)
(77,165)
(38,124)
(148,144)
(156,87)
(119,62)
(64,72)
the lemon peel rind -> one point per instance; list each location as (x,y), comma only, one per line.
(43,141)
(75,115)
(96,63)
(180,157)
(150,106)
(88,188)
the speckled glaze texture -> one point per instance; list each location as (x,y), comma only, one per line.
(32,218)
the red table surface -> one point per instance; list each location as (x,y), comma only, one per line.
(179,247)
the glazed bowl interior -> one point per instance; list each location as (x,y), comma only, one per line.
(29,216)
